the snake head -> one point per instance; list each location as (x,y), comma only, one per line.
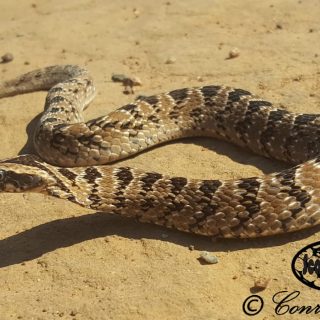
(20,175)
(13,181)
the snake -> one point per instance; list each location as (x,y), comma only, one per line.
(74,156)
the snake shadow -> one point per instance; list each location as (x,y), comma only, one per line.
(30,129)
(39,240)
(237,154)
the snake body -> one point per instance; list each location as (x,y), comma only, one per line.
(72,153)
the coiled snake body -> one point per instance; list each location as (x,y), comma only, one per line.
(72,151)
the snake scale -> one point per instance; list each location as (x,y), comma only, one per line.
(72,151)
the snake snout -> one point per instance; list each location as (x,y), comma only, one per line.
(11,181)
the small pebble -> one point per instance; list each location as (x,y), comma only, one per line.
(171,60)
(191,247)
(279,26)
(200,79)
(234,53)
(8,57)
(42,263)
(136,12)
(260,284)
(208,258)
(164,236)
(26,63)
(298,78)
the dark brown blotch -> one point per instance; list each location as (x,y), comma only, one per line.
(236,95)
(250,188)
(68,174)
(152,100)
(210,91)
(124,176)
(129,107)
(149,179)
(56,99)
(178,184)
(55,89)
(209,187)
(92,174)
(179,95)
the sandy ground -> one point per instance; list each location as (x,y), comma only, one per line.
(59,261)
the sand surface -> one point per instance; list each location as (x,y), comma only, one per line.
(60,261)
